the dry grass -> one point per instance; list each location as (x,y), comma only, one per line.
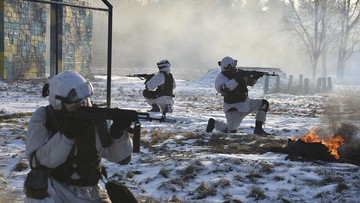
(244,144)
(257,193)
(204,190)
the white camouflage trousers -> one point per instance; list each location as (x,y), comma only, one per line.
(234,118)
(60,193)
(162,102)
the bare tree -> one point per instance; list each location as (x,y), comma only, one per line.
(349,32)
(309,21)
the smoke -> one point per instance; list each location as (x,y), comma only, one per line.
(194,34)
(341,113)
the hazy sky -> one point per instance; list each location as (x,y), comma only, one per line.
(194,35)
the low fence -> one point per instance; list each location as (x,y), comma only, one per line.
(303,86)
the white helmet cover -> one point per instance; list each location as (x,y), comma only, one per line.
(227,63)
(68,87)
(163,64)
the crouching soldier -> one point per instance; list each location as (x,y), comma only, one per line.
(159,89)
(65,155)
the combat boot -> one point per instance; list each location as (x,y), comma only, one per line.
(259,130)
(168,109)
(211,125)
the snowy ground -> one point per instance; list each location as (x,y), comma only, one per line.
(179,162)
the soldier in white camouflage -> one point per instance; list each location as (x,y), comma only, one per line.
(232,84)
(70,151)
(159,89)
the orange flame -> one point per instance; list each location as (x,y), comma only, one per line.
(332,143)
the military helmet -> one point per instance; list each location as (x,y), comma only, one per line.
(163,64)
(68,87)
(227,63)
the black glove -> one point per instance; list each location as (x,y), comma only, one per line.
(120,124)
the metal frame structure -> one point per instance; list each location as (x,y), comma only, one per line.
(109,45)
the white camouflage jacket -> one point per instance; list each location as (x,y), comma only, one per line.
(157,80)
(52,151)
(221,80)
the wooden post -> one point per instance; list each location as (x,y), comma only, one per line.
(266,85)
(301,80)
(306,86)
(290,82)
(329,83)
(318,86)
(323,84)
(277,84)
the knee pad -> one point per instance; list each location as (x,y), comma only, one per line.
(265,105)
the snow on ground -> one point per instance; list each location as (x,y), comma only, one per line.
(179,162)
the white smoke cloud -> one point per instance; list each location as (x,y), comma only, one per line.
(194,35)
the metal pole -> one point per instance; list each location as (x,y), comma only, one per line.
(108,86)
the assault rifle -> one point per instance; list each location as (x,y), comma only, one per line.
(141,76)
(242,72)
(100,115)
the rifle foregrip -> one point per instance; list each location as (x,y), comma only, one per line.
(136,138)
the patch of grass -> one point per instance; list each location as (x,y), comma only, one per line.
(174,199)
(188,170)
(20,137)
(279,178)
(131,174)
(238,178)
(341,186)
(164,173)
(20,166)
(147,199)
(330,180)
(257,193)
(253,176)
(245,144)
(266,168)
(158,137)
(224,182)
(190,135)
(12,117)
(178,182)
(117,176)
(204,190)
